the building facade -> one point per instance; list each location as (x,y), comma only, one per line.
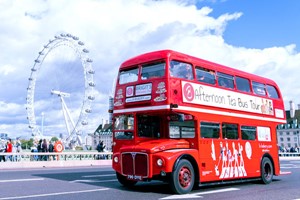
(103,133)
(3,136)
(288,134)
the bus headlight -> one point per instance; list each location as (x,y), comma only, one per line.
(159,162)
(116,159)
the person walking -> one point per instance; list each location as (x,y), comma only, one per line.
(9,149)
(18,149)
(45,149)
(2,150)
(40,149)
(100,148)
(51,150)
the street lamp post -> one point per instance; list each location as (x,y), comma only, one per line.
(43,114)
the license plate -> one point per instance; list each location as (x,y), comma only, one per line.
(134,177)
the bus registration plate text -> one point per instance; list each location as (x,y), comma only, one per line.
(134,177)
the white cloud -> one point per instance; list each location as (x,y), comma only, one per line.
(114,31)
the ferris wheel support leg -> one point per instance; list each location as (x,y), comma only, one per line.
(68,119)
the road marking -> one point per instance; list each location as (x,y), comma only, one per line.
(285,173)
(90,176)
(197,195)
(54,194)
(92,181)
(289,166)
(20,180)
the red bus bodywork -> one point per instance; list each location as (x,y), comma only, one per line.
(201,132)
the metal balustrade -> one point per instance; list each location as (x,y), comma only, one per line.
(75,158)
(289,154)
(63,159)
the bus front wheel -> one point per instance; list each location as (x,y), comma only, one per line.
(182,178)
(124,181)
(266,170)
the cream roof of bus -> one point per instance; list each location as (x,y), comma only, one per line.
(156,55)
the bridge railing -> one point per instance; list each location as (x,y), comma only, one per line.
(63,156)
(63,159)
(72,159)
(289,154)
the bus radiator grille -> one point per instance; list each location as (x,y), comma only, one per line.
(135,164)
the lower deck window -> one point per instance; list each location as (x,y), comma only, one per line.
(230,131)
(248,132)
(184,129)
(209,130)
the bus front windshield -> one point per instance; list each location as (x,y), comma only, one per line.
(148,126)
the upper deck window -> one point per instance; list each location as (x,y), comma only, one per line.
(259,88)
(205,75)
(181,70)
(153,70)
(128,76)
(272,92)
(225,80)
(242,84)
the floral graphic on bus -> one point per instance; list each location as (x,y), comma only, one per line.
(119,96)
(161,90)
(230,162)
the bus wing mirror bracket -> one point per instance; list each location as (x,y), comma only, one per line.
(173,106)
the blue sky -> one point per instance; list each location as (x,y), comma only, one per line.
(257,36)
(264,23)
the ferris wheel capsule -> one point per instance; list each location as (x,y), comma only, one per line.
(91,71)
(84,123)
(80,43)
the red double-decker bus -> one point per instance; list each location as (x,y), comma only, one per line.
(189,122)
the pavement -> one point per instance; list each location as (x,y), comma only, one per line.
(51,164)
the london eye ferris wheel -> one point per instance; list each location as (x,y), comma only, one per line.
(61,89)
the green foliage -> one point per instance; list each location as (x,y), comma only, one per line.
(78,148)
(26,144)
(54,139)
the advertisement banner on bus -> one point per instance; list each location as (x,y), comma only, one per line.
(211,96)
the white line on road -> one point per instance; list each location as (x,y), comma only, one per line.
(197,195)
(21,180)
(90,176)
(92,181)
(53,194)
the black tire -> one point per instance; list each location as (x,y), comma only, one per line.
(124,181)
(182,178)
(267,170)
